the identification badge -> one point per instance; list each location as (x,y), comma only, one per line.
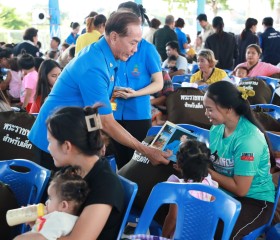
(114,106)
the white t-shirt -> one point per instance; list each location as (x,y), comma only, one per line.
(55,225)
(181,64)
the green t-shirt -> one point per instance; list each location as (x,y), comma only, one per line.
(245,153)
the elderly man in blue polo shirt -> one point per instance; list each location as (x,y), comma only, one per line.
(90,78)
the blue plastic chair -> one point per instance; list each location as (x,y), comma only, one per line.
(275,140)
(273,233)
(263,229)
(26,179)
(112,162)
(202,134)
(181,78)
(130,189)
(272,110)
(196,219)
(272,82)
(229,72)
(176,86)
(195,68)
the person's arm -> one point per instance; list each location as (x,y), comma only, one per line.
(155,86)
(90,223)
(271,69)
(178,72)
(238,185)
(28,93)
(5,84)
(160,101)
(170,222)
(185,45)
(30,236)
(119,134)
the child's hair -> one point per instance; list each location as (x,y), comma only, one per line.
(69,124)
(193,158)
(66,45)
(13,62)
(70,186)
(242,67)
(52,54)
(26,61)
(171,58)
(5,53)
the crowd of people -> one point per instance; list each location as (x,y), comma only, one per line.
(112,82)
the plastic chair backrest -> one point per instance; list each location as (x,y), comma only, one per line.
(26,179)
(229,72)
(176,86)
(195,68)
(272,110)
(181,78)
(257,232)
(112,162)
(196,219)
(130,189)
(27,184)
(275,140)
(203,134)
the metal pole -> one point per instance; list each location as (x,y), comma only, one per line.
(200,9)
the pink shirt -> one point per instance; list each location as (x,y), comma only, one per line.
(29,81)
(200,195)
(15,84)
(261,69)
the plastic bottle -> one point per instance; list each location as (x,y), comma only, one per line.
(25,214)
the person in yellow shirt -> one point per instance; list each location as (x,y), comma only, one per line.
(95,27)
(207,73)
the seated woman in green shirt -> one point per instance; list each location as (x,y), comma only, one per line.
(207,73)
(240,155)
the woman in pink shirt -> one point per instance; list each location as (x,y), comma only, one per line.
(254,66)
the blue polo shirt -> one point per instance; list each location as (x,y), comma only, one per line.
(71,39)
(182,39)
(136,74)
(89,78)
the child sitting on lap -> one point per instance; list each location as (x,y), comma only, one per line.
(192,162)
(241,72)
(67,192)
(171,63)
